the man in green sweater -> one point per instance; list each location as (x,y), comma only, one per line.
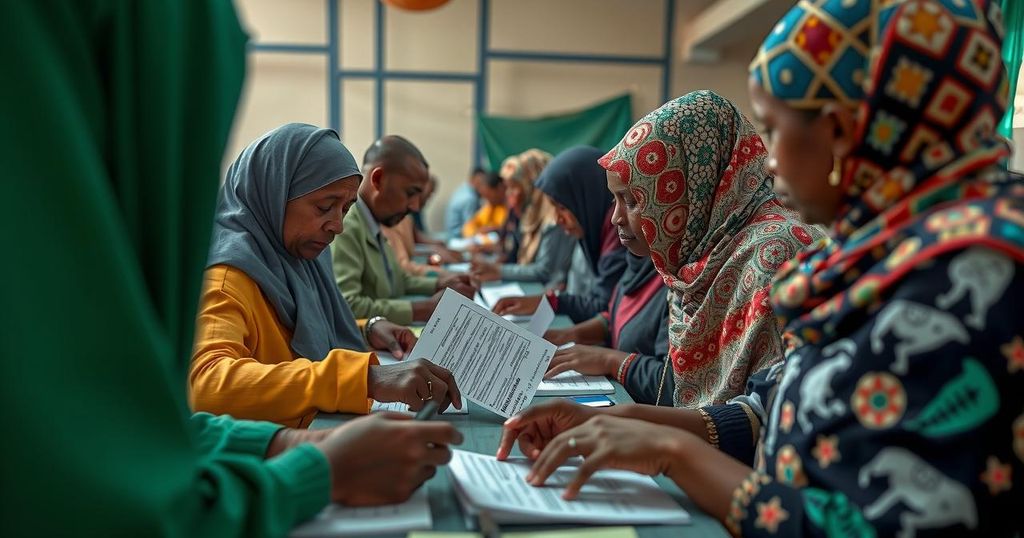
(116,114)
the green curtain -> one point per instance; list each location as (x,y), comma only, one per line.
(1013,53)
(601,126)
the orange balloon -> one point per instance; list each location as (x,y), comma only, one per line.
(416,5)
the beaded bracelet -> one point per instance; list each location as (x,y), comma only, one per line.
(709,424)
(620,376)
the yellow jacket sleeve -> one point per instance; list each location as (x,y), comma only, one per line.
(486,217)
(242,365)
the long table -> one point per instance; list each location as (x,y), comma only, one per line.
(482,432)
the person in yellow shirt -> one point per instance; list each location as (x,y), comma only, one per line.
(491,217)
(275,340)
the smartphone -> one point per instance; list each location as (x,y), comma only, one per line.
(593,400)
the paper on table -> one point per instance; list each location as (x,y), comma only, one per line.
(402,407)
(459,243)
(609,497)
(573,383)
(492,293)
(338,520)
(496,363)
(457,267)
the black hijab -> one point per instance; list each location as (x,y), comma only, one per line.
(575,180)
(639,270)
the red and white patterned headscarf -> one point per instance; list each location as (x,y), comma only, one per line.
(717,235)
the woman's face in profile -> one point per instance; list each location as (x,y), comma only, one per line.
(800,156)
(626,217)
(312,220)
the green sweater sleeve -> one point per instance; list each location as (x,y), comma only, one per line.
(225,434)
(105,249)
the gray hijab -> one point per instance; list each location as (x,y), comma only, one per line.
(286,163)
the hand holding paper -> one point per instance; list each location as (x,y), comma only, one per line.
(497,363)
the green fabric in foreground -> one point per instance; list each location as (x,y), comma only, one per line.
(115,118)
(601,126)
(1013,54)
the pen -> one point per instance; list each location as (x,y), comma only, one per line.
(428,411)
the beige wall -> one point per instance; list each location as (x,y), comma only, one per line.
(438,116)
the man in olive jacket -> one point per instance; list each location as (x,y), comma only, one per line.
(368,275)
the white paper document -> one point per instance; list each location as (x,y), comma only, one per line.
(402,407)
(496,363)
(609,497)
(491,294)
(459,243)
(541,319)
(457,267)
(573,383)
(338,520)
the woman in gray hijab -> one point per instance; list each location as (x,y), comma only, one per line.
(275,339)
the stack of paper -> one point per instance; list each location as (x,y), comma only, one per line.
(609,497)
(338,520)
(573,383)
(402,407)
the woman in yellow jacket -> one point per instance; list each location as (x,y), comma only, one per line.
(492,216)
(275,340)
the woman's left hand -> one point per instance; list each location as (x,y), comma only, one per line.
(590,360)
(391,337)
(609,442)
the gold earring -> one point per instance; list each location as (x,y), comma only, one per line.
(836,175)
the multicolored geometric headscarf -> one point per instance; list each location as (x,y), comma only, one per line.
(927,174)
(717,235)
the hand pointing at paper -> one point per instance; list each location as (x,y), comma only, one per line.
(537,426)
(608,442)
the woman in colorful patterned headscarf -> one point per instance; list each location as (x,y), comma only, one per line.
(717,234)
(898,410)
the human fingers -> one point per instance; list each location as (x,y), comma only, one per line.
(591,464)
(452,392)
(573,442)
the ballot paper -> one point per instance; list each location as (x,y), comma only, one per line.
(609,497)
(573,383)
(541,319)
(491,294)
(338,520)
(402,407)
(496,363)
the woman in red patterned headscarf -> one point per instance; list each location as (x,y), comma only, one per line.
(694,171)
(898,409)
